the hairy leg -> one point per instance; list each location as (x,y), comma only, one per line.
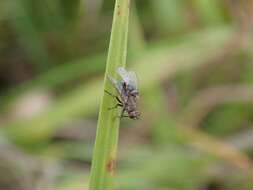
(114,107)
(122,113)
(117,98)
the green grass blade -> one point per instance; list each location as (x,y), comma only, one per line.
(104,155)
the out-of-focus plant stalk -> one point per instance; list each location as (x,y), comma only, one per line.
(104,155)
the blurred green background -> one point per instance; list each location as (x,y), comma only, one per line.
(194,62)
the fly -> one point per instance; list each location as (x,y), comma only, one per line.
(128,92)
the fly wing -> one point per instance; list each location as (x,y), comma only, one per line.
(115,83)
(124,74)
(133,79)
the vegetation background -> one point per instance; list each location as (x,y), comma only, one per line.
(195,67)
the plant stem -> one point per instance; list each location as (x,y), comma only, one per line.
(104,155)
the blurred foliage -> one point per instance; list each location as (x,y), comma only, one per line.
(194,64)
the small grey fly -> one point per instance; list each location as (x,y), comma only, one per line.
(128,93)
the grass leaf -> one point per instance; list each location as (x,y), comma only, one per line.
(104,156)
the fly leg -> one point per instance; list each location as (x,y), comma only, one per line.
(122,113)
(109,93)
(114,107)
(119,104)
(117,98)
